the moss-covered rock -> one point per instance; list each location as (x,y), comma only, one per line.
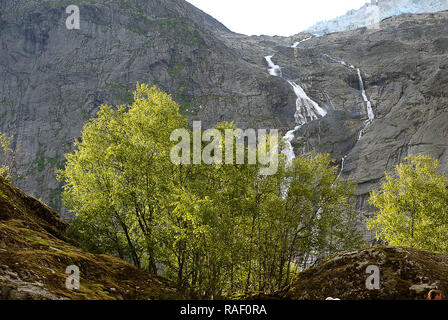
(34,255)
(405,274)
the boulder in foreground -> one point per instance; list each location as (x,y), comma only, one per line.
(405,274)
(34,255)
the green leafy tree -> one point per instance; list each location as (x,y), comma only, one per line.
(217,199)
(413,206)
(121,168)
(306,221)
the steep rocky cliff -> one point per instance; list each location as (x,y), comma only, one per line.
(403,67)
(53,79)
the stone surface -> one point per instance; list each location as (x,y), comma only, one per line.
(34,255)
(405,274)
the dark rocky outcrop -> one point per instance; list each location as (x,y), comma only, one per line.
(34,255)
(405,274)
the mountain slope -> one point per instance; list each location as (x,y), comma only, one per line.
(375,11)
(34,255)
(404,71)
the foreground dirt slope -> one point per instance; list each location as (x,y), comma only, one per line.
(404,274)
(34,255)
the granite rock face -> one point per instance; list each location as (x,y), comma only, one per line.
(53,79)
(404,70)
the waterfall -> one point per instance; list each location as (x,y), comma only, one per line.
(342,166)
(296,44)
(370,114)
(274,70)
(307,110)
(369,110)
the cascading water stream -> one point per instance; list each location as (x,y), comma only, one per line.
(296,44)
(369,110)
(274,70)
(307,110)
(370,113)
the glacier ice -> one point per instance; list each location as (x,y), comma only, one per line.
(375,11)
